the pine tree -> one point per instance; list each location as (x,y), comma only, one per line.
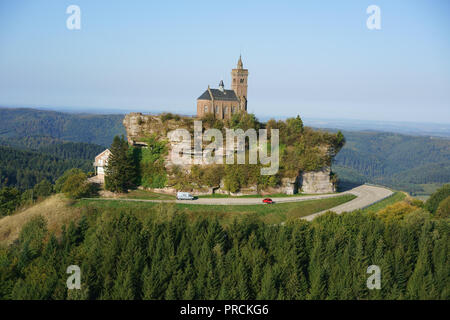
(359,268)
(151,285)
(171,293)
(189,294)
(421,281)
(268,289)
(120,170)
(317,274)
(293,287)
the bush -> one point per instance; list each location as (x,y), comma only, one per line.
(60,181)
(76,186)
(443,211)
(43,189)
(32,235)
(27,197)
(9,200)
(149,161)
(436,198)
(396,211)
(169,116)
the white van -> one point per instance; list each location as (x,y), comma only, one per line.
(185,196)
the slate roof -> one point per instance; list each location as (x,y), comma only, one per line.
(227,95)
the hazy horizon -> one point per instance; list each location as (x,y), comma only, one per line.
(441,130)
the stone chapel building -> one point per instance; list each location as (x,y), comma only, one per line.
(223,103)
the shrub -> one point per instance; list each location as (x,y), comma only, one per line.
(33,234)
(60,181)
(435,199)
(397,211)
(169,116)
(9,200)
(43,189)
(77,186)
(443,211)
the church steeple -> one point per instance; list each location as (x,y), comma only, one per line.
(239,78)
(240,65)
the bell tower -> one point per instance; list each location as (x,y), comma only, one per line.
(239,84)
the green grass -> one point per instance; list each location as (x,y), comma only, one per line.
(275,195)
(147,195)
(271,214)
(395,197)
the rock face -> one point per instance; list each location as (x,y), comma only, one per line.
(317,181)
(139,126)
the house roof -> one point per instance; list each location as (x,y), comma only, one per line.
(102,153)
(225,95)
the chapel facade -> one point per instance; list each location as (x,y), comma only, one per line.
(223,103)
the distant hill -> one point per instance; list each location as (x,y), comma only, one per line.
(417,164)
(56,147)
(90,128)
(23,169)
(41,144)
(407,128)
(396,160)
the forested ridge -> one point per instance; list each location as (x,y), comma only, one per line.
(396,160)
(24,169)
(400,161)
(161,254)
(90,128)
(55,147)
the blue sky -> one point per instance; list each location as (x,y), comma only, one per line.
(313,58)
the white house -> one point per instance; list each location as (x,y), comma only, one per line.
(100,163)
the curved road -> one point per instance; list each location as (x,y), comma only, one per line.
(365,196)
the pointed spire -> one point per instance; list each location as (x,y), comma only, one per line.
(240,65)
(221,86)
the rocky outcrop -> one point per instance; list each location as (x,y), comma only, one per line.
(307,182)
(139,127)
(317,181)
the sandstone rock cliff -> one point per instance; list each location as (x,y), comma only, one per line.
(139,127)
(317,181)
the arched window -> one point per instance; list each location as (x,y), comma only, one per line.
(206,109)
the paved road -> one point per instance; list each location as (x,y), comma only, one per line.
(252,201)
(366,195)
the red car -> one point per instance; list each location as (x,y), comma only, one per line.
(267,200)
